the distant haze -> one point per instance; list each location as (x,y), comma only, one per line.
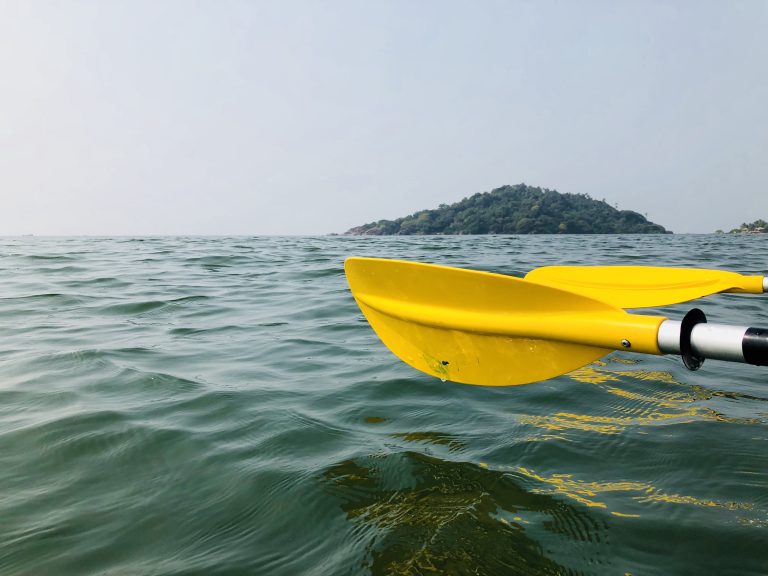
(290,117)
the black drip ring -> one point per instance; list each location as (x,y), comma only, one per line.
(691,360)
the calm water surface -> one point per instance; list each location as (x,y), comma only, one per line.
(176,406)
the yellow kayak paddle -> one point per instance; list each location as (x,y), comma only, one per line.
(489,329)
(645,286)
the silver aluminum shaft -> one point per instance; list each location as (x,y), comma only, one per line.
(715,341)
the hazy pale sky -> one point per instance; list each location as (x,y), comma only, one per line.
(308,117)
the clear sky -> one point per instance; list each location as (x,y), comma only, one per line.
(309,117)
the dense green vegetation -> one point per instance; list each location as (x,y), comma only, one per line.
(758,226)
(517,209)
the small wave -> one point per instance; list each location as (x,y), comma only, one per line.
(143,307)
(109,282)
(195,298)
(50,257)
(211,331)
(62,270)
(133,308)
(48,299)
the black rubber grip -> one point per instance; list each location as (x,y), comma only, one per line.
(754,345)
(692,361)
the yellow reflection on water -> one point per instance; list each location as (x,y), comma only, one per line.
(635,408)
(587,493)
(680,499)
(590,375)
(608,424)
(653,375)
(579,490)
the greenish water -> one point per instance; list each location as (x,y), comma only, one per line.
(176,406)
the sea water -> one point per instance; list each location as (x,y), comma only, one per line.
(193,405)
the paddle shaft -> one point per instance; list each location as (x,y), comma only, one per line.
(716,341)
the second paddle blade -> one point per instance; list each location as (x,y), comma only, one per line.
(644,286)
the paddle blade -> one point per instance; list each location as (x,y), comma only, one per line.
(472,327)
(644,286)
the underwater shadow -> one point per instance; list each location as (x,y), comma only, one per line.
(425,515)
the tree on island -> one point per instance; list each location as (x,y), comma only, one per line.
(518,209)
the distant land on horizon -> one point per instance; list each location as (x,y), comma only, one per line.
(519,209)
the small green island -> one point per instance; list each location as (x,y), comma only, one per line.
(518,209)
(756,227)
